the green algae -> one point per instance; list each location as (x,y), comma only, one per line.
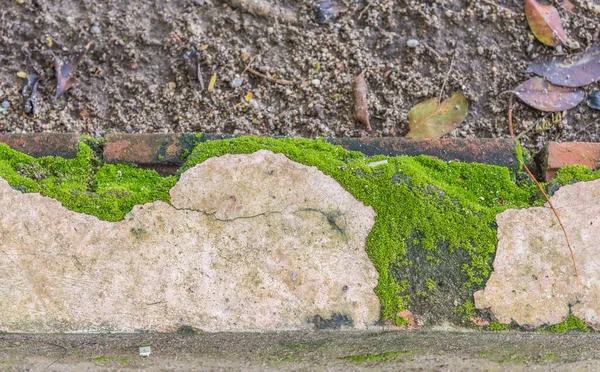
(434,237)
(84,184)
(495,326)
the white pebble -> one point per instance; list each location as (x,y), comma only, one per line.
(412,43)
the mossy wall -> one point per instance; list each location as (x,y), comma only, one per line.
(433,241)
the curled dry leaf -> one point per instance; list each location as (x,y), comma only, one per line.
(265,8)
(594,100)
(31,86)
(545,23)
(193,57)
(65,73)
(361,105)
(327,10)
(432,119)
(541,95)
(573,71)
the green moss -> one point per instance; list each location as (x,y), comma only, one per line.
(84,184)
(495,326)
(434,219)
(575,173)
(103,359)
(387,356)
(572,323)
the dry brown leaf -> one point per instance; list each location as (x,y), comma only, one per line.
(432,119)
(545,23)
(573,71)
(361,105)
(541,95)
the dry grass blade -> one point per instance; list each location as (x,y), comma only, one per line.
(512,135)
(267,77)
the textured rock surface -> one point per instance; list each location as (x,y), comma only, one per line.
(534,281)
(250,242)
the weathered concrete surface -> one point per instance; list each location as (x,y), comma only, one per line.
(304,351)
(534,280)
(251,242)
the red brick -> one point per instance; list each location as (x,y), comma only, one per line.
(471,150)
(43,144)
(559,155)
(148,149)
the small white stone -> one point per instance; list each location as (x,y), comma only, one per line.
(412,43)
(315,82)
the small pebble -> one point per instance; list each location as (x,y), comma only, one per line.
(254,103)
(1,93)
(95,29)
(412,43)
(5,104)
(316,82)
(236,82)
(529,48)
(480,50)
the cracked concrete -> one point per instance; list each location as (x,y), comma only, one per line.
(249,242)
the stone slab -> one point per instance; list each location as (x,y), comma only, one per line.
(249,243)
(534,280)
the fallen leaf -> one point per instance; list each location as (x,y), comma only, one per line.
(545,23)
(65,72)
(594,100)
(361,105)
(326,10)
(249,96)
(432,119)
(204,47)
(49,41)
(572,71)
(30,89)
(568,5)
(541,95)
(22,74)
(212,82)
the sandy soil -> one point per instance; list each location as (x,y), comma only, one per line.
(135,77)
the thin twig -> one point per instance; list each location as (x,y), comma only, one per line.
(437,54)
(365,9)
(254,57)
(267,77)
(446,78)
(512,135)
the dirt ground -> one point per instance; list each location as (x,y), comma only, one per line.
(349,351)
(135,77)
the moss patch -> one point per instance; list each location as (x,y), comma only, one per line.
(364,358)
(570,324)
(84,184)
